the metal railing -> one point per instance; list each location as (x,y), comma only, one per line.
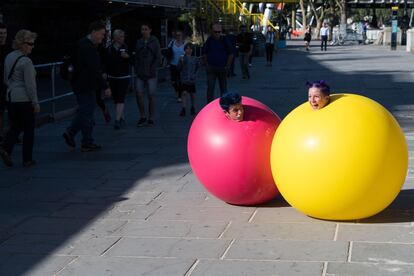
(52,84)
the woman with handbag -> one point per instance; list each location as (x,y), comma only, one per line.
(22,98)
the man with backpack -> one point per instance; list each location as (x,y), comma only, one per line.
(147,61)
(218,55)
(86,80)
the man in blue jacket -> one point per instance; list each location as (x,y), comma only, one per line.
(218,55)
(88,78)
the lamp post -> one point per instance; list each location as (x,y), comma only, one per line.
(374,21)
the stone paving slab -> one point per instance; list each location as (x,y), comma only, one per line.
(351,269)
(15,264)
(108,266)
(319,251)
(169,247)
(259,268)
(386,253)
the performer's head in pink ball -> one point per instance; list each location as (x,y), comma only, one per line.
(229,149)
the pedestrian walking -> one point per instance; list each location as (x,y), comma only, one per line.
(324,32)
(217,56)
(23,103)
(147,60)
(188,67)
(245,45)
(88,78)
(308,37)
(117,64)
(4,50)
(100,93)
(177,50)
(232,39)
(270,45)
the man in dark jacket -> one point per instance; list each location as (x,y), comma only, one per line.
(88,78)
(4,50)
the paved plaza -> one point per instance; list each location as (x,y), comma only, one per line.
(136,208)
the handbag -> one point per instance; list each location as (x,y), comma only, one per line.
(168,53)
(10,75)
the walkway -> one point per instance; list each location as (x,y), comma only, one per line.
(136,208)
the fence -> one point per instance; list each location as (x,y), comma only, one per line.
(54,92)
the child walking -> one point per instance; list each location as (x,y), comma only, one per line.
(188,67)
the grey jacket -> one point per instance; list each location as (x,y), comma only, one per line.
(147,58)
(188,68)
(22,85)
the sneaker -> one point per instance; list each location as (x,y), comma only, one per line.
(122,122)
(117,124)
(90,147)
(182,113)
(70,141)
(107,117)
(6,158)
(192,110)
(29,163)
(141,122)
(150,122)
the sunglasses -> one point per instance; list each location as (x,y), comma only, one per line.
(217,32)
(29,43)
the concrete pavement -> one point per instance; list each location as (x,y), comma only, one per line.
(136,208)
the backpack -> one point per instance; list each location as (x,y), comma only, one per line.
(67,69)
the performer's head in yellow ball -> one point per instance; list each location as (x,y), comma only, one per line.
(341,159)
(318,94)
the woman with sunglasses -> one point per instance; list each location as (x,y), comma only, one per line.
(318,94)
(23,104)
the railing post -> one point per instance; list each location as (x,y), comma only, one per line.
(53,91)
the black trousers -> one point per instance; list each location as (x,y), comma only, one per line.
(269,51)
(324,42)
(175,79)
(22,118)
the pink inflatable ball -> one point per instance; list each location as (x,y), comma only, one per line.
(232,159)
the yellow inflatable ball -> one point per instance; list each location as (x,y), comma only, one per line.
(345,161)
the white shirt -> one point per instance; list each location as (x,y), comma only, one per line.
(324,31)
(178,53)
(270,37)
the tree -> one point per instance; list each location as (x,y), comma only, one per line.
(341,4)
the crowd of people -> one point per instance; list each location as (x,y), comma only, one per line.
(100,72)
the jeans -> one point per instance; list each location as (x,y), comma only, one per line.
(84,118)
(150,83)
(244,64)
(22,118)
(214,73)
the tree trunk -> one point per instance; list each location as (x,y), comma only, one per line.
(293,20)
(304,19)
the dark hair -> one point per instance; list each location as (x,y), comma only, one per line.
(189,45)
(228,99)
(321,84)
(96,26)
(3,26)
(149,25)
